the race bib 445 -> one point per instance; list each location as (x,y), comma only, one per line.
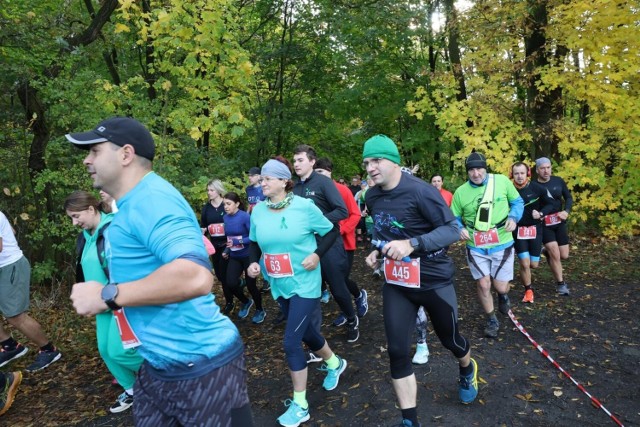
(402,273)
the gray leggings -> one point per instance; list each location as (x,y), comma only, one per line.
(421,326)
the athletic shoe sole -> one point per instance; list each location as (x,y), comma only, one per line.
(11,393)
(302,420)
(120,408)
(313,358)
(473,381)
(24,351)
(339,321)
(55,359)
(344,366)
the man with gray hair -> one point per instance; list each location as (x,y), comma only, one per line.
(555,236)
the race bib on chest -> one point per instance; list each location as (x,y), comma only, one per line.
(486,238)
(552,219)
(216,230)
(128,337)
(527,233)
(403,273)
(278,265)
(235,247)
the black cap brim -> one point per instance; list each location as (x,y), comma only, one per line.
(85,139)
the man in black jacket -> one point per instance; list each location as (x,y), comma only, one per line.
(555,235)
(325,195)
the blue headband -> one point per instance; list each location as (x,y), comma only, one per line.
(275,169)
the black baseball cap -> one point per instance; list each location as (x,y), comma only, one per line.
(120,131)
(254,171)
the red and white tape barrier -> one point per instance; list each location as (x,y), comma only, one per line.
(544,352)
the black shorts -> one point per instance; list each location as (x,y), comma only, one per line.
(556,233)
(533,247)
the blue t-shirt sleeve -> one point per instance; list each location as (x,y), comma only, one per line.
(168,236)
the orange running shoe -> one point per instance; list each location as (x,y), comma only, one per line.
(528,296)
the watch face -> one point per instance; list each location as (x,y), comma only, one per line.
(109,292)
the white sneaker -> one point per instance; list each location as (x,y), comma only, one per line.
(313,358)
(422,354)
(123,402)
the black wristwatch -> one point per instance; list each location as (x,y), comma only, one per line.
(415,243)
(109,294)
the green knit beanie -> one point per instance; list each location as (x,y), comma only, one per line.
(383,147)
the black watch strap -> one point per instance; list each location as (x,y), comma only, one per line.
(112,304)
(109,294)
(415,243)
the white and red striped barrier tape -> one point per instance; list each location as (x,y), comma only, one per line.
(544,352)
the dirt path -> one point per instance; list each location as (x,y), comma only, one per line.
(594,334)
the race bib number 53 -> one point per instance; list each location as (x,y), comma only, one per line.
(278,265)
(402,273)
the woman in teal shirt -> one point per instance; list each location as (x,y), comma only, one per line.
(86,212)
(284,228)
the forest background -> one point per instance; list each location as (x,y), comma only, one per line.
(225,84)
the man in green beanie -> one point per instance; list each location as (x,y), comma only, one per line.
(414,226)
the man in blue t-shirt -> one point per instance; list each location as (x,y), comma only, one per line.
(160,288)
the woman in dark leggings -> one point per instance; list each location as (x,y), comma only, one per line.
(237,224)
(212,224)
(284,228)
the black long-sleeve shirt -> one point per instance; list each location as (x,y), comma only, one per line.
(417,209)
(535,198)
(557,191)
(324,194)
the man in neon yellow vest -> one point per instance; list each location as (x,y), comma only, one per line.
(487,208)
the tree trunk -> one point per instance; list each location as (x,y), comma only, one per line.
(454,48)
(34,108)
(542,107)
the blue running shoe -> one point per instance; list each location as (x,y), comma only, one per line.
(333,375)
(362,304)
(326,296)
(259,317)
(7,356)
(468,385)
(294,416)
(340,320)
(407,423)
(244,311)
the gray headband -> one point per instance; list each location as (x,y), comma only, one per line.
(275,169)
(541,161)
